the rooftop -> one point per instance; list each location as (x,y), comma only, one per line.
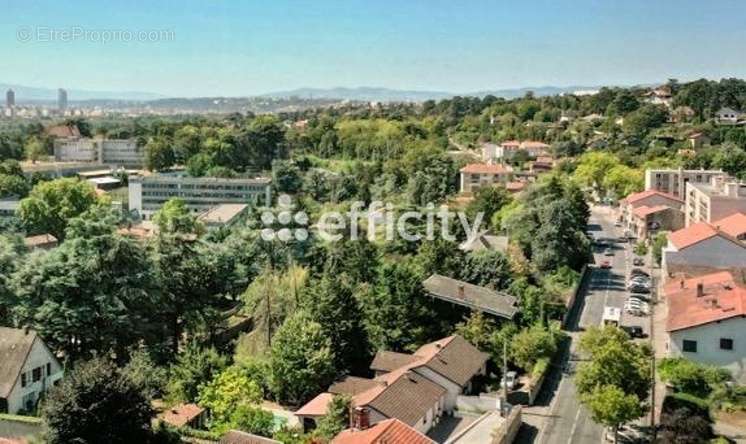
(484,168)
(223,213)
(733,225)
(696,233)
(240,437)
(181,414)
(15,345)
(635,197)
(473,296)
(645,210)
(390,431)
(704,299)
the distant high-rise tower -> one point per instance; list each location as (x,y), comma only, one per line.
(61,99)
(10,98)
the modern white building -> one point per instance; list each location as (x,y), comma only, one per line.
(27,369)
(147,194)
(105,151)
(707,321)
(673,180)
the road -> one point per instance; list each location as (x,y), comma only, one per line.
(558,416)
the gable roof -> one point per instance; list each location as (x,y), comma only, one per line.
(317,406)
(15,345)
(634,197)
(239,437)
(454,358)
(390,431)
(474,296)
(387,361)
(531,144)
(644,210)
(696,233)
(733,225)
(406,396)
(484,168)
(510,144)
(721,299)
(352,385)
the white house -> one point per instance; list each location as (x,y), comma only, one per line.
(28,369)
(728,116)
(707,321)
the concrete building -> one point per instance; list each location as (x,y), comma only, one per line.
(707,321)
(105,151)
(62,99)
(728,116)
(702,248)
(147,194)
(714,201)
(10,98)
(508,149)
(673,181)
(644,213)
(28,369)
(477,175)
(224,215)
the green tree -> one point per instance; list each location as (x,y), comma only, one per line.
(194,366)
(34,149)
(174,217)
(487,269)
(96,400)
(336,419)
(226,392)
(301,360)
(610,406)
(532,344)
(286,177)
(660,240)
(159,154)
(488,201)
(50,205)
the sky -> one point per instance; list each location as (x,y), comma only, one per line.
(194,48)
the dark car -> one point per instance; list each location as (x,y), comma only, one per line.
(638,289)
(634,331)
(639,272)
(605,265)
(638,262)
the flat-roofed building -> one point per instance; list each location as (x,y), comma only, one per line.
(123,152)
(223,215)
(477,175)
(673,181)
(147,194)
(714,201)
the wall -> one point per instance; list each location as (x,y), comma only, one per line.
(716,252)
(480,404)
(453,390)
(39,356)
(708,345)
(508,430)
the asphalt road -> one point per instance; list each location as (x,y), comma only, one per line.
(564,419)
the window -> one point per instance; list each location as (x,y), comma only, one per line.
(36,374)
(726,344)
(690,346)
(23,380)
(49,369)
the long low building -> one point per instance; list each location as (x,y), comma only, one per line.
(147,194)
(124,152)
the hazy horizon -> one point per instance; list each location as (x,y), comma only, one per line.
(220,48)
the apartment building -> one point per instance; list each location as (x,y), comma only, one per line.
(716,200)
(644,213)
(147,194)
(673,181)
(477,175)
(106,151)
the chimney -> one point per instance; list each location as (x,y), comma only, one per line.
(700,289)
(361,418)
(461,291)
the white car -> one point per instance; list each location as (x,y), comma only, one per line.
(511,378)
(636,308)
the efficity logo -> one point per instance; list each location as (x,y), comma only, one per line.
(286,225)
(428,222)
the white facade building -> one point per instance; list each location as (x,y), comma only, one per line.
(147,194)
(673,181)
(123,152)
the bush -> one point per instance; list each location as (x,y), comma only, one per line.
(691,377)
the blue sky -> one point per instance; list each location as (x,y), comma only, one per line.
(244,47)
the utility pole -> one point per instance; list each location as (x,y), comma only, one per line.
(504,403)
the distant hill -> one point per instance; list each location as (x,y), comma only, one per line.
(371,94)
(25,94)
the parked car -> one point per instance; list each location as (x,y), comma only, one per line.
(634,331)
(639,272)
(608,252)
(605,265)
(635,288)
(618,224)
(638,262)
(639,280)
(511,377)
(636,307)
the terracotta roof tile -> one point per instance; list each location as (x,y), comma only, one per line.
(317,406)
(181,415)
(387,360)
(390,431)
(634,197)
(733,225)
(721,299)
(692,234)
(484,168)
(239,437)
(645,210)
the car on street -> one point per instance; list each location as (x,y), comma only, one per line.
(634,331)
(636,307)
(639,280)
(605,265)
(511,377)
(638,262)
(639,272)
(608,252)
(636,288)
